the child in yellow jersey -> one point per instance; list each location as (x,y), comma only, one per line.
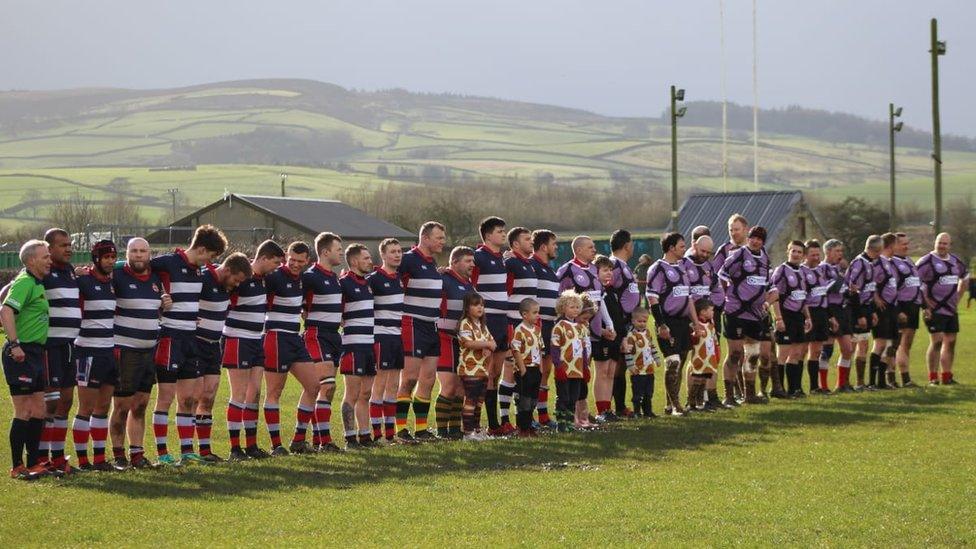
(704,357)
(567,351)
(642,356)
(527,353)
(589,310)
(476,346)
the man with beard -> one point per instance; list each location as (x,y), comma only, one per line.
(944,278)
(547,292)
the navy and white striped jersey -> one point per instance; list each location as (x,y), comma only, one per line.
(97,302)
(323,299)
(387,301)
(182,281)
(357,313)
(137,307)
(61,291)
(490,278)
(452,299)
(214,301)
(247,309)
(285,295)
(520,283)
(547,290)
(421,285)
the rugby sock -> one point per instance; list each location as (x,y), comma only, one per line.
(18,440)
(365,436)
(823,378)
(303,417)
(235,423)
(351,436)
(602,407)
(204,425)
(250,418)
(57,440)
(421,408)
(933,376)
(118,452)
(442,413)
(491,407)
(844,372)
(906,378)
(99,433)
(35,427)
(946,377)
(813,368)
(184,429)
(376,418)
(44,450)
(860,364)
(136,453)
(389,418)
(505,392)
(402,411)
(323,419)
(160,431)
(79,433)
(272,417)
(875,365)
(543,405)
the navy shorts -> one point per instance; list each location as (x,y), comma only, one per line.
(389,352)
(60,368)
(420,339)
(175,357)
(323,346)
(137,371)
(27,377)
(208,357)
(282,349)
(358,363)
(500,330)
(241,353)
(450,353)
(95,367)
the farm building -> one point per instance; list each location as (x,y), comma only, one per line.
(784,214)
(248,219)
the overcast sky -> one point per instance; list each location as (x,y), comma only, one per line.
(612,57)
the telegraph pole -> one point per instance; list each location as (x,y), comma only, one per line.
(676,95)
(892,128)
(937,48)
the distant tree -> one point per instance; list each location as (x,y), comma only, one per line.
(961,224)
(123,212)
(382,171)
(852,221)
(31,199)
(74,213)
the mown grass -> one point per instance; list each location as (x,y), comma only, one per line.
(874,469)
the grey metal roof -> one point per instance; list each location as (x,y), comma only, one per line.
(770,209)
(319,215)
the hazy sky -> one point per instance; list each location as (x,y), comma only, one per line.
(612,57)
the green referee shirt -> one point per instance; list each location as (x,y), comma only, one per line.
(26,298)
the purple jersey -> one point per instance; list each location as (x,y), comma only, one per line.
(835,293)
(701,279)
(746,274)
(791,285)
(817,284)
(581,277)
(624,285)
(940,279)
(909,285)
(668,284)
(860,278)
(886,280)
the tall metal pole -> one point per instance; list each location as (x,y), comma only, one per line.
(725,124)
(674,162)
(755,102)
(936,50)
(891,154)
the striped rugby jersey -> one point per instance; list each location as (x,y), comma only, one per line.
(421,285)
(520,283)
(285,295)
(357,313)
(247,309)
(61,292)
(452,299)
(137,308)
(387,301)
(490,279)
(97,312)
(323,299)
(214,301)
(547,291)
(182,281)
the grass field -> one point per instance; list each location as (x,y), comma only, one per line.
(875,469)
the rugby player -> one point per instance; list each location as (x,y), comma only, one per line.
(885,331)
(357,363)
(544,244)
(388,311)
(818,283)
(521,283)
(788,297)
(624,286)
(841,321)
(943,276)
(457,284)
(909,305)
(861,286)
(738,229)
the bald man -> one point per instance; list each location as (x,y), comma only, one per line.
(704,283)
(943,276)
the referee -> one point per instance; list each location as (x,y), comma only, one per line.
(24,316)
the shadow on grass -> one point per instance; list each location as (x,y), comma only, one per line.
(643,440)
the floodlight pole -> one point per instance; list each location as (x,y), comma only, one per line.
(936,49)
(674,161)
(891,154)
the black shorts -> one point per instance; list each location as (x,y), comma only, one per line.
(865,312)
(500,331)
(95,367)
(680,341)
(208,357)
(450,353)
(174,357)
(27,377)
(358,363)
(546,326)
(911,312)
(887,326)
(137,371)
(738,328)
(60,368)
(820,319)
(420,339)
(793,329)
(615,345)
(389,352)
(282,349)
(239,353)
(842,315)
(943,324)
(601,349)
(323,346)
